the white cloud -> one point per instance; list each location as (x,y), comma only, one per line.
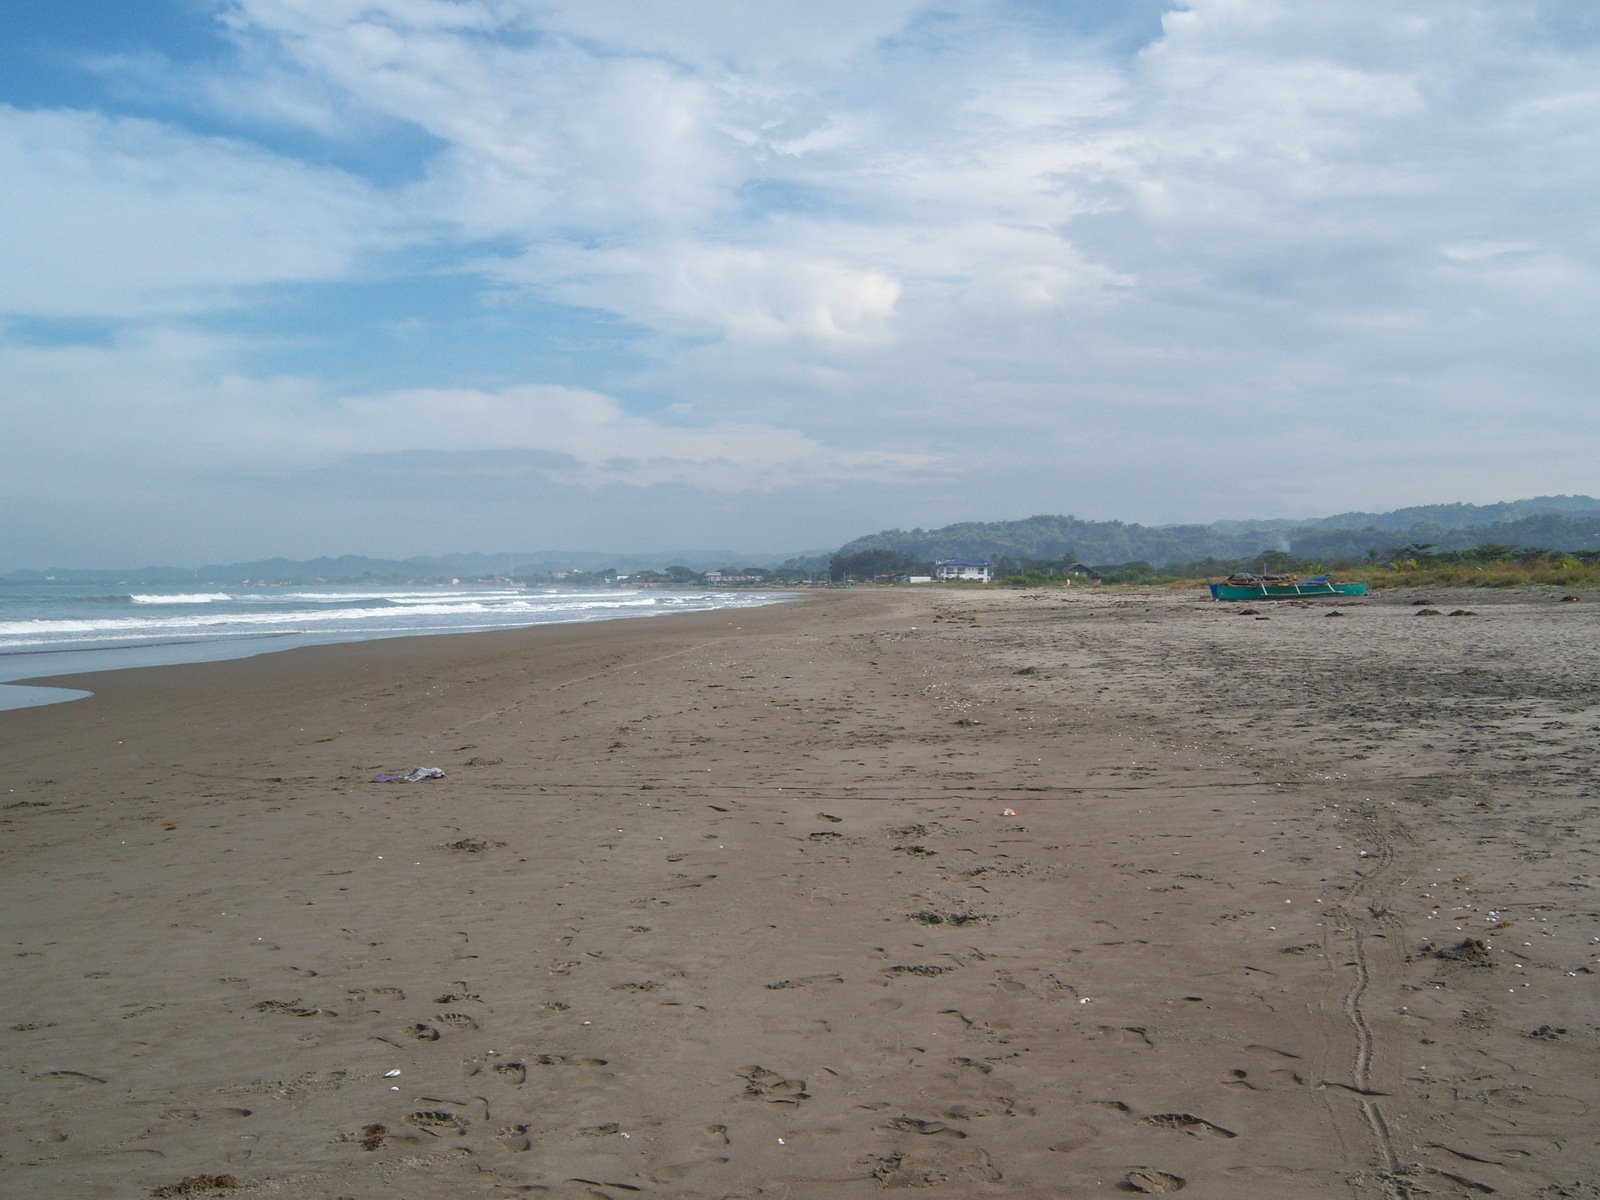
(590,439)
(162,404)
(763,36)
(113,217)
(538,136)
(743,294)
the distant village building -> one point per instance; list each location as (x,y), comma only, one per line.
(961,568)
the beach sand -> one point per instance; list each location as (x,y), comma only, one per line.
(1047,894)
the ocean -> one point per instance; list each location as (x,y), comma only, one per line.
(51,629)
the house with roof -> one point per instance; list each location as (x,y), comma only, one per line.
(962,569)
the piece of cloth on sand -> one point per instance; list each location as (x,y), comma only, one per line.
(415,775)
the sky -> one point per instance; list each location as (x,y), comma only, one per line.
(403,277)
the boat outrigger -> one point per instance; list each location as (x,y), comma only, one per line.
(1282,587)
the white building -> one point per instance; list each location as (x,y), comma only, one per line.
(961,568)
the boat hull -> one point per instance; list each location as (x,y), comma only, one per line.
(1284,591)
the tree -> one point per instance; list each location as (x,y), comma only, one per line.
(869,564)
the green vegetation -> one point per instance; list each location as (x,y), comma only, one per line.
(1414,565)
(1488,565)
(875,563)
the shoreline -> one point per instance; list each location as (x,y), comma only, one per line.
(1013,894)
(17,679)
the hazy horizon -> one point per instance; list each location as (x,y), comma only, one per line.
(700,557)
(405,276)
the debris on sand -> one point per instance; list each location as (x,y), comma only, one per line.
(1151,1182)
(472,845)
(193,1185)
(1472,951)
(415,775)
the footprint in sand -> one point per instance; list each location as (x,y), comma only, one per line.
(1144,1179)
(929,1169)
(1190,1124)
(193,1115)
(676,1172)
(954,919)
(772,1087)
(293,1008)
(805,981)
(514,1138)
(919,1126)
(515,1073)
(430,1119)
(564,1060)
(1003,982)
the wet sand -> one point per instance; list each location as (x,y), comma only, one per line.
(980,893)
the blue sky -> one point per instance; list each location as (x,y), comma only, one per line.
(400,277)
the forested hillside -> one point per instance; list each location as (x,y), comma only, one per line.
(1565,523)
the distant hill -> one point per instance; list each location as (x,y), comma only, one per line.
(1566,523)
(1443,516)
(1047,538)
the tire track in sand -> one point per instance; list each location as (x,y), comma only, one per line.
(1372,890)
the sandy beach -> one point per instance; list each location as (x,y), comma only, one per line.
(1012,894)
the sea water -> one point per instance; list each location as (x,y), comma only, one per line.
(49,629)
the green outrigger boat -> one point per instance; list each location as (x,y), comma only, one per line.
(1281,587)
